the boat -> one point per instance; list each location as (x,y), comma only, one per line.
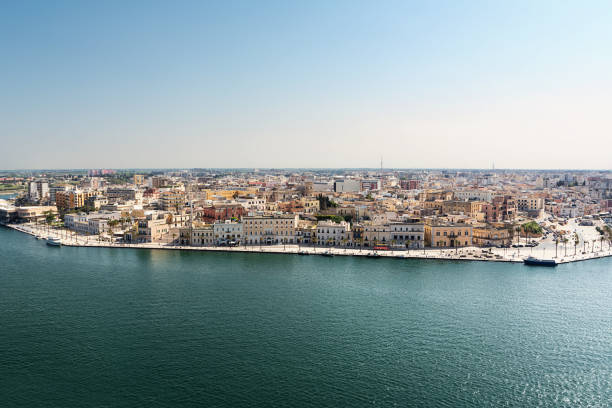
(373,255)
(532,261)
(303,253)
(327,253)
(53,241)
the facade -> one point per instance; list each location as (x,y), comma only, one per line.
(199,235)
(90,224)
(501,209)
(375,234)
(470,208)
(347,186)
(172,201)
(474,195)
(448,235)
(371,184)
(152,229)
(491,237)
(222,212)
(53,191)
(227,231)
(330,233)
(409,184)
(123,194)
(139,179)
(34,213)
(407,234)
(70,200)
(270,229)
(38,191)
(530,203)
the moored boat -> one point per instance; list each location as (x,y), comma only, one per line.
(532,261)
(53,241)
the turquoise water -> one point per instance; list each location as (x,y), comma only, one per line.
(94,327)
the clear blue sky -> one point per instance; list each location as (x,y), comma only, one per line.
(306,84)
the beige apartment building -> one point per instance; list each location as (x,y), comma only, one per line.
(448,235)
(270,229)
(470,208)
(69,200)
(496,237)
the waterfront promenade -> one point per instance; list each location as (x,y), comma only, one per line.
(457,254)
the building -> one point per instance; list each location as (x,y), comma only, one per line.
(372,184)
(53,191)
(139,179)
(227,231)
(159,182)
(70,200)
(222,212)
(495,237)
(333,234)
(8,212)
(470,208)
(34,213)
(502,208)
(172,200)
(38,191)
(153,228)
(530,203)
(407,234)
(448,235)
(409,184)
(90,224)
(347,186)
(474,195)
(198,235)
(270,229)
(123,194)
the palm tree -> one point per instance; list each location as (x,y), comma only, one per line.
(576,242)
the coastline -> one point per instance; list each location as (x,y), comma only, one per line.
(472,254)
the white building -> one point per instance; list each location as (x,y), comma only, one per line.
(474,195)
(38,190)
(333,234)
(270,229)
(228,231)
(252,203)
(526,203)
(90,224)
(347,186)
(407,234)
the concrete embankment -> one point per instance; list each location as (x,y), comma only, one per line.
(463,254)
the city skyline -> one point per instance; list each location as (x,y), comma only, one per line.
(240,85)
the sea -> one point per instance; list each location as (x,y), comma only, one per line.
(100,327)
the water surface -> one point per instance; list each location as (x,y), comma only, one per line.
(96,327)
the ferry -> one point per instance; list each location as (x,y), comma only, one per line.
(539,262)
(52,241)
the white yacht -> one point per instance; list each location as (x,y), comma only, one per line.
(53,241)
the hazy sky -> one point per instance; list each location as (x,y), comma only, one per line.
(306,84)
